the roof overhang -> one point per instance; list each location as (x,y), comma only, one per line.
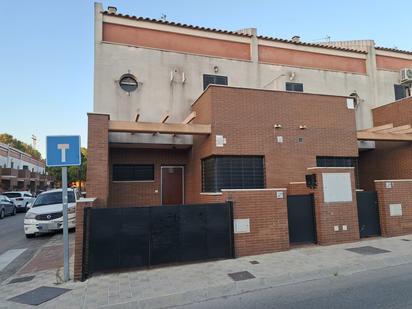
(386,132)
(158,127)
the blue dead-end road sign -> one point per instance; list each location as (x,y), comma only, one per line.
(63,150)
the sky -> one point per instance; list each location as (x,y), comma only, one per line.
(46,48)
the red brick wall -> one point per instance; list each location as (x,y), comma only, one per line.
(268,221)
(98,158)
(246,118)
(390,160)
(298,188)
(125,194)
(329,215)
(202,147)
(399,193)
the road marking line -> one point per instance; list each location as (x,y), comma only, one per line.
(7,257)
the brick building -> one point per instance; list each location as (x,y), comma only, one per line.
(20,171)
(189,115)
(279,134)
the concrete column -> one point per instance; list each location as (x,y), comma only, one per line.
(98,38)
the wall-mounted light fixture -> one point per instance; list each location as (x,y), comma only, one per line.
(277,126)
(216,69)
(302,127)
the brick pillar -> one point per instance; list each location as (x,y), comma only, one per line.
(395,195)
(78,245)
(342,215)
(98,158)
(267,214)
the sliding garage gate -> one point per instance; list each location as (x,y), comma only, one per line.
(117,238)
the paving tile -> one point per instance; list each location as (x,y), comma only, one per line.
(38,296)
(241,275)
(21,279)
(368,250)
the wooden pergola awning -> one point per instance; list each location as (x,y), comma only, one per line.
(159,127)
(386,132)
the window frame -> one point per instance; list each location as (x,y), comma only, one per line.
(128,164)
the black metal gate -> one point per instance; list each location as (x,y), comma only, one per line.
(301,219)
(116,238)
(368,213)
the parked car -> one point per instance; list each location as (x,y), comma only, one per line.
(46,213)
(7,207)
(20,198)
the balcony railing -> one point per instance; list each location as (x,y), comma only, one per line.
(9,173)
(24,174)
(34,175)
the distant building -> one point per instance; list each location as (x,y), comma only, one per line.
(20,171)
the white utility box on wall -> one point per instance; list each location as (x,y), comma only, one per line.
(337,187)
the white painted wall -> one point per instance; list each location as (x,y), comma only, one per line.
(157,94)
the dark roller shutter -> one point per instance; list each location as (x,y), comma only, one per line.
(133,172)
(232,172)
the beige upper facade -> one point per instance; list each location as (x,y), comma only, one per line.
(169,61)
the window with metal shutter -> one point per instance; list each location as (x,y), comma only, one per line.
(213,79)
(232,172)
(294,87)
(400,92)
(133,172)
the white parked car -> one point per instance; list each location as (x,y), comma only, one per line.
(46,213)
(21,199)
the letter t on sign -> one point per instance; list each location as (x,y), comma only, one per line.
(63,148)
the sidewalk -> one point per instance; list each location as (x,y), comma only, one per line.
(185,284)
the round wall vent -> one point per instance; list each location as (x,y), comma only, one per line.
(128,82)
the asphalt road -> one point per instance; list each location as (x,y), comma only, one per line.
(385,288)
(12,237)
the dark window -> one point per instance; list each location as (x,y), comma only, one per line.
(232,172)
(12,195)
(400,91)
(336,161)
(294,87)
(133,172)
(213,79)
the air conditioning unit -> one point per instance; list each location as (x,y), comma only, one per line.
(406,76)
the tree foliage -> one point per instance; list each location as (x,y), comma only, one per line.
(13,142)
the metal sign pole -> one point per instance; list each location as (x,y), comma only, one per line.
(65,225)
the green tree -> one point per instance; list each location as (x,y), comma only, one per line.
(13,142)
